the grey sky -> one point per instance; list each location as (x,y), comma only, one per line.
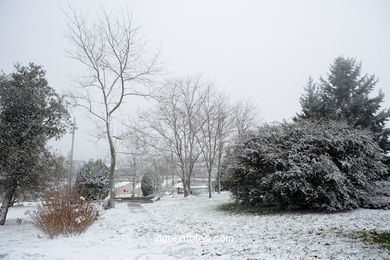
(262,50)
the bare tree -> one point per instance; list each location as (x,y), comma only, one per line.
(245,118)
(117,66)
(235,121)
(160,168)
(213,134)
(134,157)
(226,123)
(171,129)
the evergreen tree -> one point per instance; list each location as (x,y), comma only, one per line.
(310,101)
(31,113)
(150,184)
(93,180)
(345,95)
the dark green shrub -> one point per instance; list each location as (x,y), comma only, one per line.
(150,184)
(306,165)
(92,180)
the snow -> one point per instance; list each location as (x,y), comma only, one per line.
(121,184)
(199,187)
(180,185)
(137,231)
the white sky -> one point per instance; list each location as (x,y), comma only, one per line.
(262,50)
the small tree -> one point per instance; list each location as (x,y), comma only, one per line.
(307,165)
(150,184)
(93,179)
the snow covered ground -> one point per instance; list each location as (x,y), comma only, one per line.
(141,232)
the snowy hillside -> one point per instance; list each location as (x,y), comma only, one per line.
(138,231)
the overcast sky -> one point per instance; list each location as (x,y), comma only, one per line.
(262,50)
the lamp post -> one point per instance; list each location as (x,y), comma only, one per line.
(71,157)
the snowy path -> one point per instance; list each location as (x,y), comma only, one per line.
(129,232)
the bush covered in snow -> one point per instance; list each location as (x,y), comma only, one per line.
(306,165)
(64,214)
(150,184)
(93,180)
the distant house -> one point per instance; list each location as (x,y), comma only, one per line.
(125,189)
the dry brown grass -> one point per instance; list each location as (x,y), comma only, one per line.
(64,214)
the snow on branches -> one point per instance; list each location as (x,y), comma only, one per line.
(323,165)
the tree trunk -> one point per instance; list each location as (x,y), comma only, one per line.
(7,203)
(112,177)
(111,203)
(209,182)
(218,178)
(219,168)
(134,186)
(187,187)
(219,182)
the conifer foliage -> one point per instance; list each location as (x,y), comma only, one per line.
(346,94)
(93,180)
(150,184)
(307,165)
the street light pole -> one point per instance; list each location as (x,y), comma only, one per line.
(71,157)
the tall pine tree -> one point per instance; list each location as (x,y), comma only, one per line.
(346,95)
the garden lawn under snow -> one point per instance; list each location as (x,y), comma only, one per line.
(134,232)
